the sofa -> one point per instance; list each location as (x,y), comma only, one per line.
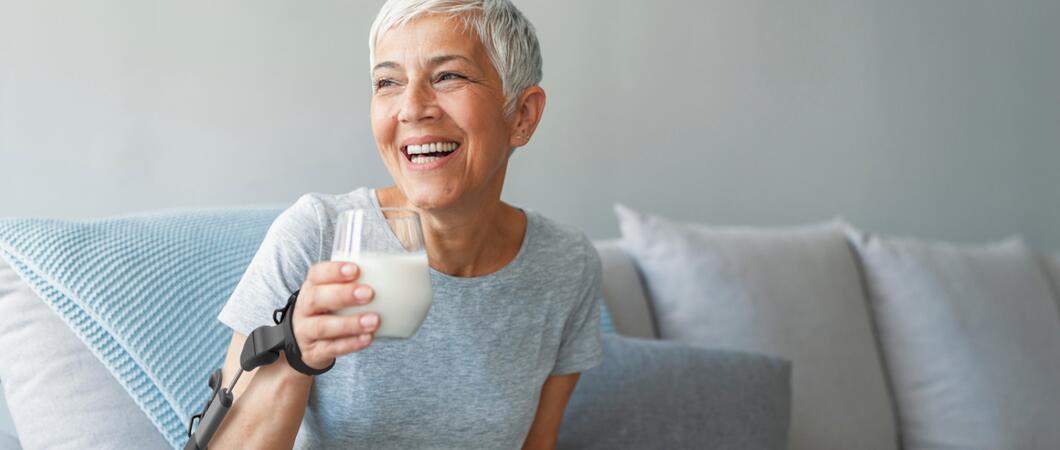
(93,366)
(814,336)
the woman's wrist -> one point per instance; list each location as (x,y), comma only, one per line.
(285,376)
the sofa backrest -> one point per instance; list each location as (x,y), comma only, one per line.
(624,293)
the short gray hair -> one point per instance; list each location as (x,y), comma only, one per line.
(507,35)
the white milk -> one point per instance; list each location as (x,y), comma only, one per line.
(402,285)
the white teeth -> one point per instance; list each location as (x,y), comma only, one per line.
(424,159)
(431,148)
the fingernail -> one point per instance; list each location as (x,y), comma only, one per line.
(365,337)
(369,320)
(362,293)
(347,269)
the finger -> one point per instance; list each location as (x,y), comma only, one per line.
(328,326)
(342,346)
(332,272)
(327,298)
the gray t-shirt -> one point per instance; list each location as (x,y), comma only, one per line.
(471,376)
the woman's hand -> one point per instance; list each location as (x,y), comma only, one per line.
(321,335)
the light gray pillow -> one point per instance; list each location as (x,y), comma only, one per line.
(971,336)
(60,395)
(651,394)
(792,292)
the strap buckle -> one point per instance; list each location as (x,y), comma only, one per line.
(279,314)
(215,386)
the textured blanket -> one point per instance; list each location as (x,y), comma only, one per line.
(143,292)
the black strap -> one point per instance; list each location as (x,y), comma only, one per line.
(262,347)
(284,318)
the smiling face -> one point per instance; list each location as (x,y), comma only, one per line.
(438,114)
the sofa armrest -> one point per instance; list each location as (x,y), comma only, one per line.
(627,300)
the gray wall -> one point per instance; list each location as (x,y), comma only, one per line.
(937,119)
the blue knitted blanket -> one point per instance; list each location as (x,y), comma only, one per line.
(143,292)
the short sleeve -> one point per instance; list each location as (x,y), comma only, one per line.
(580,347)
(291,245)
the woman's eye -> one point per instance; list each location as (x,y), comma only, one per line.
(383,83)
(450,76)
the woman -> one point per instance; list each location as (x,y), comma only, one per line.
(515,315)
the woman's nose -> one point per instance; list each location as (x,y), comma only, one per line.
(418,105)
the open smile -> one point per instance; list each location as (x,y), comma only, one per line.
(428,156)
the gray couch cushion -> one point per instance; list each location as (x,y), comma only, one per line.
(653,394)
(792,292)
(624,294)
(971,336)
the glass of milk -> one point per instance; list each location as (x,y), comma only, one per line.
(387,245)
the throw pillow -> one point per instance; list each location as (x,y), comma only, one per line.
(791,292)
(971,336)
(654,394)
(60,395)
(141,292)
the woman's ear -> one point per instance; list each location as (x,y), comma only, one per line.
(527,115)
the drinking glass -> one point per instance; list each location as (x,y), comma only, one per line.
(387,245)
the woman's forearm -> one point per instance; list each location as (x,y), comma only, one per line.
(268,413)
